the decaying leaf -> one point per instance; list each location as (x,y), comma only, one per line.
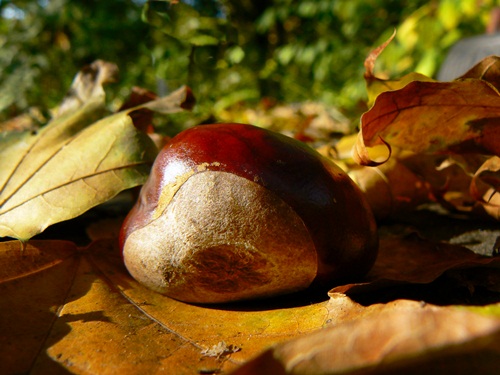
(74,163)
(459,116)
(421,122)
(413,260)
(392,187)
(422,115)
(485,186)
(375,85)
(87,87)
(400,337)
(78,310)
(487,69)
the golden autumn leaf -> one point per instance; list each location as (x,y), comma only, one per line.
(407,180)
(434,134)
(459,116)
(78,309)
(74,162)
(425,116)
(402,337)
(375,85)
(64,308)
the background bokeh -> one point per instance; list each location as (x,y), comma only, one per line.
(228,51)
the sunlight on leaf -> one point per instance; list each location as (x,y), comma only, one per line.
(78,310)
(419,118)
(400,337)
(434,116)
(92,317)
(87,87)
(74,163)
(375,85)
(425,116)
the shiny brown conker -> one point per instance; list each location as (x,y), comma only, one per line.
(234,211)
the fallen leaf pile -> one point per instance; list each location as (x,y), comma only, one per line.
(441,140)
(431,303)
(78,309)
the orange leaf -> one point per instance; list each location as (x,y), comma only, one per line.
(61,308)
(77,310)
(375,85)
(413,260)
(485,185)
(487,69)
(461,116)
(400,337)
(392,188)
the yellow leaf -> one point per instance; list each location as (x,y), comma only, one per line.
(67,309)
(73,163)
(80,310)
(399,337)
(459,116)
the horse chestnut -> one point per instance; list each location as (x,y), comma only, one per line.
(233,211)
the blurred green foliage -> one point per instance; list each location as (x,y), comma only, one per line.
(228,51)
(43,44)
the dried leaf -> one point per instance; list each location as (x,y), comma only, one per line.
(78,310)
(485,185)
(400,337)
(71,165)
(61,308)
(418,114)
(434,116)
(87,87)
(414,260)
(33,284)
(416,117)
(375,85)
(392,188)
(487,69)
(52,179)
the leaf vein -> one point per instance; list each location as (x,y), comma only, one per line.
(82,178)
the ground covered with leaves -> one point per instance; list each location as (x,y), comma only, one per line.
(427,158)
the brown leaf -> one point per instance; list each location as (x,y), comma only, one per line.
(434,116)
(87,86)
(61,308)
(412,259)
(77,310)
(485,185)
(142,118)
(487,69)
(392,188)
(399,337)
(33,284)
(375,85)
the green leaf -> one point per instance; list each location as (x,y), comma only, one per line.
(73,163)
(181,21)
